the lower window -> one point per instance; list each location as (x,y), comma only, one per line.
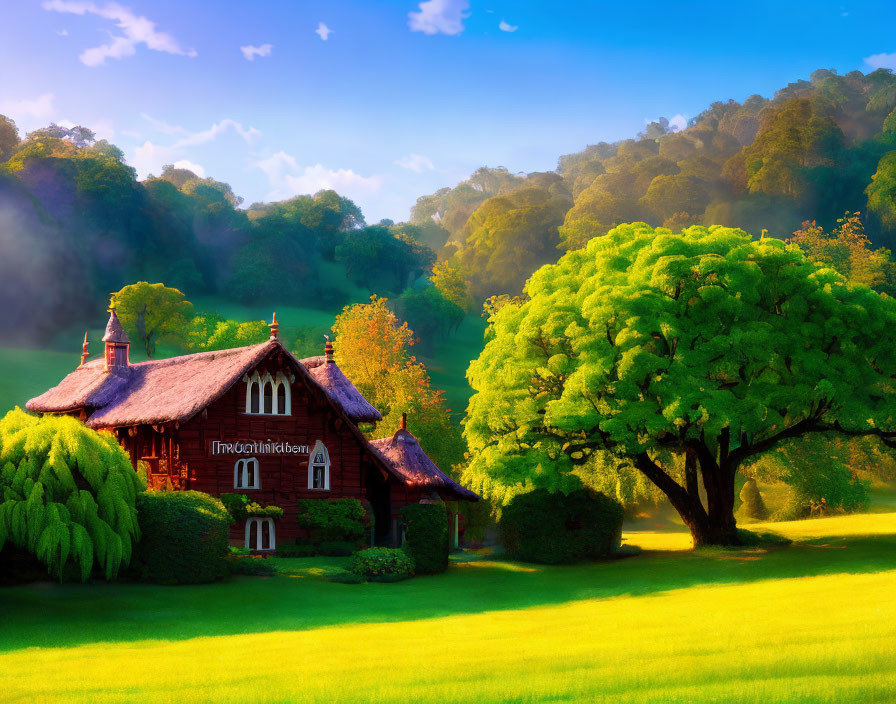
(260,534)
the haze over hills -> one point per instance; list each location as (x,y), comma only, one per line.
(75,223)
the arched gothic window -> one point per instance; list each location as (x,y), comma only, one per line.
(268,395)
(245,474)
(319,467)
(261,534)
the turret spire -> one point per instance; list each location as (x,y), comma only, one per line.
(328,350)
(117,341)
(84,353)
(275,327)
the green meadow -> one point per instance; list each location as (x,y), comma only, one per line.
(813,622)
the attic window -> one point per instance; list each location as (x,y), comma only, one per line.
(319,467)
(245,474)
(268,395)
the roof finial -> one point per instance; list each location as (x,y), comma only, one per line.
(84,353)
(275,327)
(404,421)
(328,350)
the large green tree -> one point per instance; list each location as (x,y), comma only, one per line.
(688,354)
(152,312)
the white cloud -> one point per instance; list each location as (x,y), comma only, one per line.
(162,126)
(150,157)
(191,166)
(250,52)
(507,27)
(323,31)
(882,61)
(439,17)
(41,108)
(678,123)
(416,163)
(289,179)
(135,30)
(62,32)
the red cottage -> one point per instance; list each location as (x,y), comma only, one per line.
(252,420)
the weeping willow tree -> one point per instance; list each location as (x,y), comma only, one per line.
(67,494)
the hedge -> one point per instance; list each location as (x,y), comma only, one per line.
(333,520)
(553,528)
(185,537)
(382,564)
(427,536)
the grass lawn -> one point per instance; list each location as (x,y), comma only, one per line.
(814,622)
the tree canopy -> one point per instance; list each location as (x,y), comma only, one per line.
(685,353)
(374,351)
(151,312)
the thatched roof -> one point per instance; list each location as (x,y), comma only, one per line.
(330,376)
(414,467)
(176,389)
(155,391)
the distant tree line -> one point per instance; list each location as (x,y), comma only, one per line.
(75,223)
(817,149)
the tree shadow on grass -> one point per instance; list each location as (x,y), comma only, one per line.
(53,615)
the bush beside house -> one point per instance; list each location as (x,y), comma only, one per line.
(552,528)
(185,537)
(427,536)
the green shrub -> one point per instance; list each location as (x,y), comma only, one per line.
(240,508)
(333,519)
(236,506)
(234,550)
(254,509)
(427,536)
(252,566)
(382,564)
(67,494)
(753,505)
(344,577)
(185,536)
(336,548)
(295,550)
(553,528)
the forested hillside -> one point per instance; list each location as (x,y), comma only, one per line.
(75,222)
(817,149)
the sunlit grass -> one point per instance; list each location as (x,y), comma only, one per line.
(798,624)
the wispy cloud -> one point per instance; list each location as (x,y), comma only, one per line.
(197,169)
(150,157)
(323,31)
(135,30)
(507,27)
(250,52)
(678,123)
(882,61)
(39,108)
(62,32)
(439,17)
(416,163)
(288,178)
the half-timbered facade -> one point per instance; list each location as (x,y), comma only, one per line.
(252,420)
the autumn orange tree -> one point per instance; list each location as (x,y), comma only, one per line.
(374,352)
(847,249)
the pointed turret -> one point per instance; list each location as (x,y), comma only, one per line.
(275,327)
(117,342)
(84,353)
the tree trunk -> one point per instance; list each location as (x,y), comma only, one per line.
(714,524)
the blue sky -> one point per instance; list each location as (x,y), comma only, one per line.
(386,100)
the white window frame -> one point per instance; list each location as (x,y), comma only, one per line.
(280,385)
(260,522)
(319,447)
(241,473)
